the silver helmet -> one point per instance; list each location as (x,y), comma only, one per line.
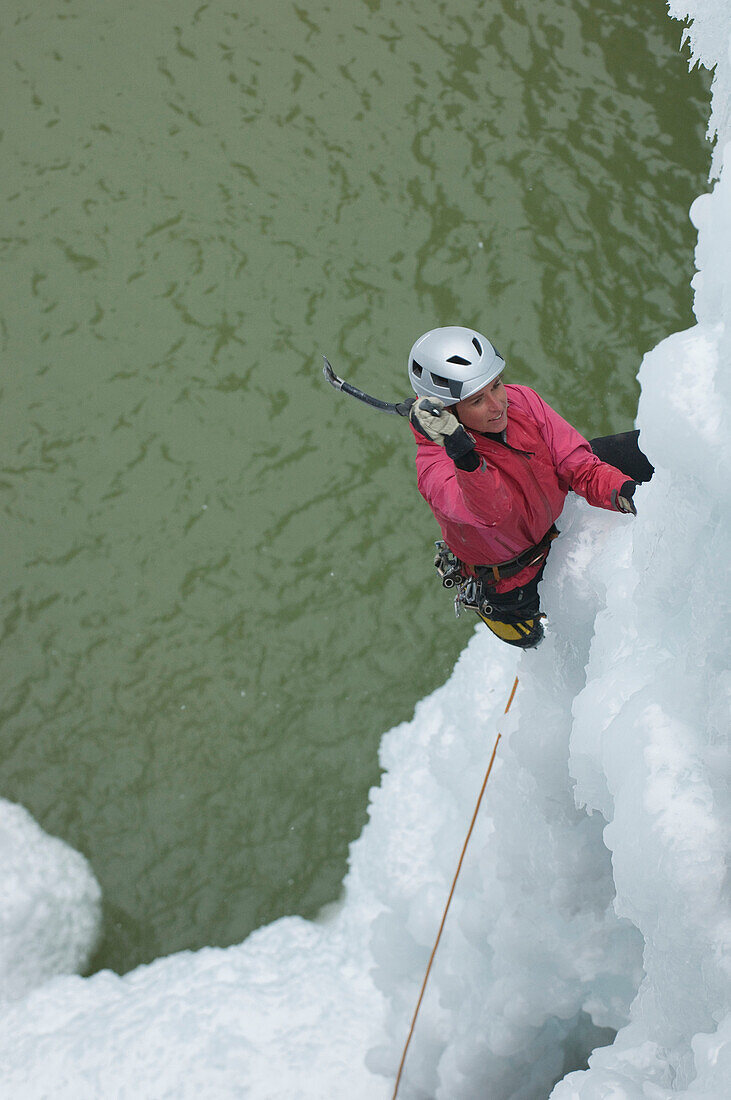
(452,363)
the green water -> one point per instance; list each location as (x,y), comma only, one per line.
(216,580)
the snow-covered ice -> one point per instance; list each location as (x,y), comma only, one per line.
(51,905)
(593,898)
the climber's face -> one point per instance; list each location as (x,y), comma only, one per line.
(486,410)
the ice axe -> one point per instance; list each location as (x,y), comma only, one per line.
(401,408)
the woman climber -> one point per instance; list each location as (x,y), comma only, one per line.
(494,464)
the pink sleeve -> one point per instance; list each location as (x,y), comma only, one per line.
(479,497)
(575,463)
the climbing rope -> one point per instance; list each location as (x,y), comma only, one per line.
(449,899)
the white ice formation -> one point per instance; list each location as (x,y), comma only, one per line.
(50,909)
(592,897)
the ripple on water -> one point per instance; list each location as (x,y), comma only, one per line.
(217,580)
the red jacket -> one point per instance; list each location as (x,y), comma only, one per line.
(508,504)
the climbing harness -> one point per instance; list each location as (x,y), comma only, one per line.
(473,589)
(514,617)
(451,894)
(454,574)
(534,555)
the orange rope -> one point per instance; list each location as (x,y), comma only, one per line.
(449,899)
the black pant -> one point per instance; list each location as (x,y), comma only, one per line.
(621,451)
(516,604)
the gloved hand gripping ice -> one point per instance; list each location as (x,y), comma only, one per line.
(624,499)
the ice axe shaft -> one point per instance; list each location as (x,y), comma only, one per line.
(401,408)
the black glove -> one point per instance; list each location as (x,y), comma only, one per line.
(624,498)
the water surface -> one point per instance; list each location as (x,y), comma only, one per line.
(216,582)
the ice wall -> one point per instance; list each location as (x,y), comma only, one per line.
(708,31)
(536,967)
(592,898)
(653,755)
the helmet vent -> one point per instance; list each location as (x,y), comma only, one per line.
(439,381)
(477,345)
(459,360)
(418,371)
